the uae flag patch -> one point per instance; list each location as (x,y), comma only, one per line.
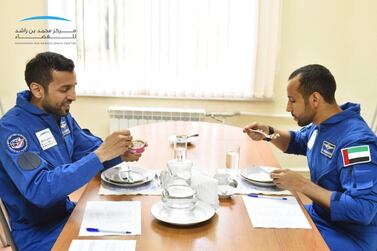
(356,154)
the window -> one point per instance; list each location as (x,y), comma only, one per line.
(210,49)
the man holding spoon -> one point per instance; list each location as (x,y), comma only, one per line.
(341,152)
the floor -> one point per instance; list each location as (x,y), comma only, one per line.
(75,196)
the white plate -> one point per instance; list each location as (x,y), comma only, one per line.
(190,140)
(148,176)
(258,173)
(183,217)
(261,184)
(119,174)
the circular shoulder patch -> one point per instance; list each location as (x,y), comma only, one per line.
(17,143)
(29,161)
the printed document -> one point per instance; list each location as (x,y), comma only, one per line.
(275,212)
(111,218)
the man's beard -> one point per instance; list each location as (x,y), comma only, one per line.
(303,121)
(306,118)
(54,110)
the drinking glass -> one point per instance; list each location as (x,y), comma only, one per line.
(180,147)
(176,185)
(232,159)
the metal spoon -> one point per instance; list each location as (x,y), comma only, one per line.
(269,136)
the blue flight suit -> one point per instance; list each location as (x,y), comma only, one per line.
(342,158)
(43,158)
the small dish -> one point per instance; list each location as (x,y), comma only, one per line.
(261,184)
(182,217)
(258,173)
(145,177)
(120,174)
(180,139)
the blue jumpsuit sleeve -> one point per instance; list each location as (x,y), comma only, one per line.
(85,142)
(298,141)
(42,183)
(358,202)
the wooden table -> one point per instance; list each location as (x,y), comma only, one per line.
(229,229)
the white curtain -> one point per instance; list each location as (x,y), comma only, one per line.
(210,49)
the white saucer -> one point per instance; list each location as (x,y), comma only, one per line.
(189,140)
(261,184)
(148,176)
(258,173)
(183,217)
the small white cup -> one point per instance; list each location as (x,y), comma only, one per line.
(225,188)
(222,178)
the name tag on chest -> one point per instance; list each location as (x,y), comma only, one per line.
(46,139)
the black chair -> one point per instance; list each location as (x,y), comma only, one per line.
(7,239)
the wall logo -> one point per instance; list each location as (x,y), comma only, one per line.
(59,31)
(44,18)
(17,143)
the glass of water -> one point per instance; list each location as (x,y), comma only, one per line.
(176,185)
(180,147)
(232,159)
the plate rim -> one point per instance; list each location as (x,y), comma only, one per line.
(139,181)
(159,206)
(243,175)
(263,184)
(189,141)
(149,177)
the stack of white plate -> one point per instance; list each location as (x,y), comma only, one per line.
(258,175)
(121,176)
(201,212)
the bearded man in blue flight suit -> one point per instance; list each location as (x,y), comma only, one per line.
(45,155)
(341,152)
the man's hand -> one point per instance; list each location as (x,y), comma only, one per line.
(114,145)
(290,180)
(280,140)
(287,179)
(128,156)
(255,135)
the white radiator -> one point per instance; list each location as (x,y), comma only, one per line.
(127,117)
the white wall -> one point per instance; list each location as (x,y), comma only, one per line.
(340,34)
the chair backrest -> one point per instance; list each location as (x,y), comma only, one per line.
(7,240)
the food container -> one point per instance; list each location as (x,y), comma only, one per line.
(137,146)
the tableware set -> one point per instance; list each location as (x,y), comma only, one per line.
(179,203)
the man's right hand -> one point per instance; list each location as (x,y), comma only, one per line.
(114,145)
(255,126)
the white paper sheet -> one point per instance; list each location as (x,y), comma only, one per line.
(119,216)
(275,212)
(103,245)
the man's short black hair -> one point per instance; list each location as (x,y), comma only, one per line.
(316,78)
(39,69)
